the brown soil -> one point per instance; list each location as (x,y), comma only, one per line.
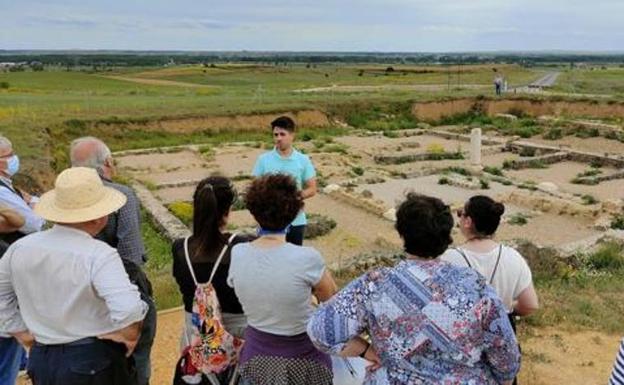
(562,173)
(258,122)
(434,111)
(550,356)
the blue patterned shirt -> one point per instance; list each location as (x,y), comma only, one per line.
(430,322)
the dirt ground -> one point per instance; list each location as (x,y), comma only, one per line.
(551,357)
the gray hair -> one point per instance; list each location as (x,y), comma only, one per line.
(5,142)
(95,159)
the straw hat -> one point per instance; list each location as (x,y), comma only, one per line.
(79,196)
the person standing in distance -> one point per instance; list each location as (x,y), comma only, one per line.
(285,159)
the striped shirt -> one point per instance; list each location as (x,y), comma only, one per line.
(617,375)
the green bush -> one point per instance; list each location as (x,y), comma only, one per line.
(458,170)
(4,85)
(589,199)
(518,219)
(608,257)
(318,225)
(587,133)
(359,171)
(484,184)
(553,134)
(617,221)
(493,170)
(536,163)
(444,180)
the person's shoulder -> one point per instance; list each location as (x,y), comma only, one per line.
(453,255)
(301,156)
(122,188)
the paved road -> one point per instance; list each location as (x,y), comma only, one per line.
(546,81)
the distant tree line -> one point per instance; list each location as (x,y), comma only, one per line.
(135,59)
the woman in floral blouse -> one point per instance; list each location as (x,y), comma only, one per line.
(429,322)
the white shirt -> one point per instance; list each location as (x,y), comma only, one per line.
(63,285)
(10,199)
(512,276)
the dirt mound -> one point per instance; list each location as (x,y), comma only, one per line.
(435,111)
(304,119)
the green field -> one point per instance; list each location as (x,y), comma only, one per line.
(601,81)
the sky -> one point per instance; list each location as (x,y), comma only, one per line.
(314,25)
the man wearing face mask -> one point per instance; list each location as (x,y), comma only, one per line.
(13,198)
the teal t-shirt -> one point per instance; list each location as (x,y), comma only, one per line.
(296,165)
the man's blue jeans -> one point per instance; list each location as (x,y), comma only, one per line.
(11,353)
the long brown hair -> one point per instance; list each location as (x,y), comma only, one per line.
(211,202)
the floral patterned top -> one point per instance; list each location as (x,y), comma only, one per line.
(429,321)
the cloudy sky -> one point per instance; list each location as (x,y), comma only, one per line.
(314,25)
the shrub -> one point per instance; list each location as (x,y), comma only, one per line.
(4,85)
(318,225)
(553,134)
(527,152)
(359,171)
(493,170)
(589,199)
(444,180)
(617,221)
(587,133)
(485,185)
(518,219)
(608,257)
(536,163)
(307,136)
(458,170)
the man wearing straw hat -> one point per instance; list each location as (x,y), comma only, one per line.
(123,232)
(67,294)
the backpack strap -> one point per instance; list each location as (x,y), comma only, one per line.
(500,252)
(188,259)
(461,252)
(216,265)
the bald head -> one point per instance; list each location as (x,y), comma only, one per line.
(92,152)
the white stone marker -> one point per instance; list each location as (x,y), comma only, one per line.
(475,147)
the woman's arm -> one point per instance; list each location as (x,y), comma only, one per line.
(527,302)
(326,287)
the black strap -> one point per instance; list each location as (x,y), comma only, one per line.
(14,191)
(500,252)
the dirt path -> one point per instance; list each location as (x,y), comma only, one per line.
(158,82)
(389,87)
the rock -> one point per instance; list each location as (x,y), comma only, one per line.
(331,188)
(603,223)
(509,117)
(612,206)
(390,215)
(367,194)
(548,187)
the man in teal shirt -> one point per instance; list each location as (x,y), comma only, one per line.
(285,159)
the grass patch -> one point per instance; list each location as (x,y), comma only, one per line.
(553,134)
(444,180)
(357,170)
(589,199)
(484,184)
(493,170)
(518,219)
(617,221)
(158,266)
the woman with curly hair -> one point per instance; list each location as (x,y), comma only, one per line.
(274,281)
(429,322)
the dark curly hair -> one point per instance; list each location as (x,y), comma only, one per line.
(274,201)
(485,214)
(425,224)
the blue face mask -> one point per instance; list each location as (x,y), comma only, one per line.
(13,165)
